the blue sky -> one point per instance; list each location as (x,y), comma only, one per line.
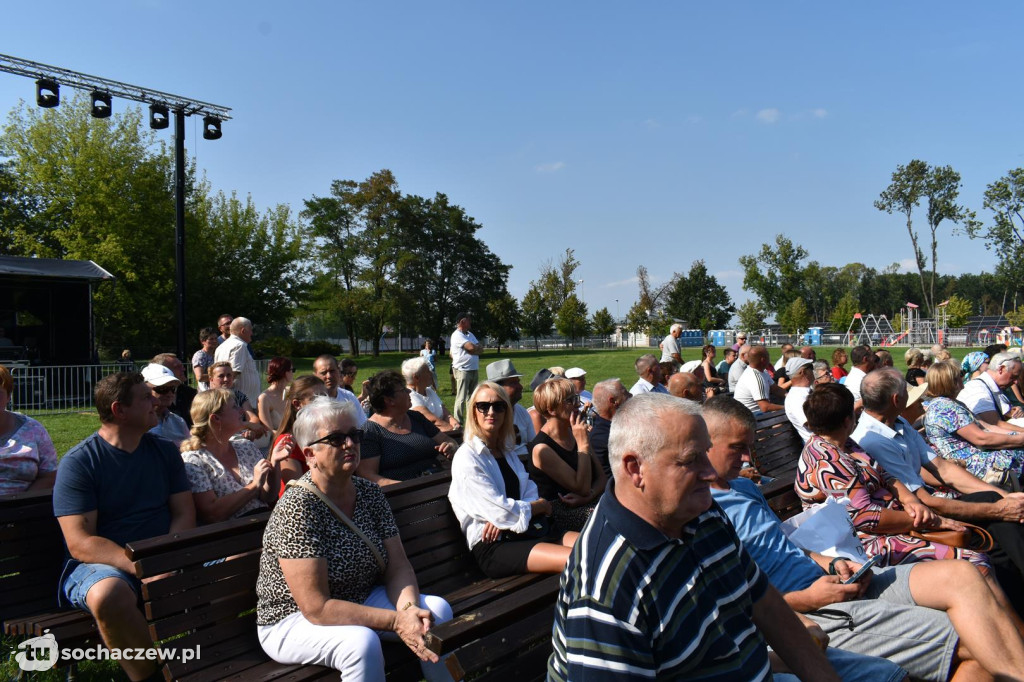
(653,133)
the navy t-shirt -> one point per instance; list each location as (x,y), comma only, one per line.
(128,490)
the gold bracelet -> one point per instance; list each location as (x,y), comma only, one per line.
(407,605)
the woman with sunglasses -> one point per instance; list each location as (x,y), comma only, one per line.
(560,459)
(229,478)
(334,578)
(502,515)
(399,443)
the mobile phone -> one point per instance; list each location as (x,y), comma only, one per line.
(863,569)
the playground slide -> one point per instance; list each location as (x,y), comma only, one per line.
(893,341)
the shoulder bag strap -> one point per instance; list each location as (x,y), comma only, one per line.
(305,485)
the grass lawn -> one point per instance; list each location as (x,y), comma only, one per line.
(68,429)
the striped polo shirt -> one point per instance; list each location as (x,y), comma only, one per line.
(636,604)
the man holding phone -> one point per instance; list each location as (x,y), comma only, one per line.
(940,631)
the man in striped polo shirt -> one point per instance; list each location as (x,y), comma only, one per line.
(658,585)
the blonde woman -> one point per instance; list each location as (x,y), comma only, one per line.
(229,478)
(915,366)
(501,513)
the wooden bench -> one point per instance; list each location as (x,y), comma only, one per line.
(776,452)
(501,629)
(30,566)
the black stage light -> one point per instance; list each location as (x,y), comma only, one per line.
(211,128)
(159,116)
(47,93)
(101,104)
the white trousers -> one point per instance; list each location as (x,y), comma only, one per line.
(353,650)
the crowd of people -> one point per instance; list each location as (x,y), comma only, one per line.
(673,564)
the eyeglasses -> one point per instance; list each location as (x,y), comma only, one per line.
(350,374)
(164,390)
(338,438)
(573,401)
(498,407)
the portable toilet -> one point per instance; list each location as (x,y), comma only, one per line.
(814,336)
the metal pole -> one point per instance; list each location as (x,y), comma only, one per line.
(179,223)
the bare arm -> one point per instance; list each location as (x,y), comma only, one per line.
(183,511)
(439,422)
(370,470)
(212,509)
(789,639)
(768,406)
(84,545)
(201,375)
(307,580)
(44,481)
(991,439)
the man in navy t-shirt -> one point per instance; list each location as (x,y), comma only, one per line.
(118,485)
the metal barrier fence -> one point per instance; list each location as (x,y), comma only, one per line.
(56,389)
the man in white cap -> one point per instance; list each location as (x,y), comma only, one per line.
(162,384)
(503,373)
(801,375)
(578,377)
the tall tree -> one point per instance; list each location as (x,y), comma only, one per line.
(1005,234)
(652,297)
(537,318)
(571,319)
(602,323)
(446,268)
(795,317)
(775,275)
(699,299)
(903,195)
(751,316)
(557,280)
(638,319)
(843,313)
(502,320)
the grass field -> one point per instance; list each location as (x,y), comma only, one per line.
(68,429)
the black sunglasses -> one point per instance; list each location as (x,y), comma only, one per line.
(497,407)
(164,390)
(337,438)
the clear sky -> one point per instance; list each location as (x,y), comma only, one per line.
(654,133)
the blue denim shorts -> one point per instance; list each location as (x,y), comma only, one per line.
(79,578)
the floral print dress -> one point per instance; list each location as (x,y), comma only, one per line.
(826,471)
(944,418)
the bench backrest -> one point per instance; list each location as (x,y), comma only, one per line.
(777,445)
(214,606)
(33,554)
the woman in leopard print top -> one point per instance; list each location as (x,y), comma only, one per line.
(324,595)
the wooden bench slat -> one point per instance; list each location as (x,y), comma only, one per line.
(228,657)
(482,653)
(164,544)
(421,543)
(435,508)
(223,609)
(220,548)
(196,577)
(202,595)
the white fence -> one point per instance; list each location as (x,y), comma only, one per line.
(55,389)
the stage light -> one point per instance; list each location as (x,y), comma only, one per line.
(159,116)
(47,93)
(101,104)
(211,128)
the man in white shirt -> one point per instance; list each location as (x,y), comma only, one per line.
(754,387)
(649,371)
(235,350)
(326,367)
(782,356)
(738,367)
(670,346)
(503,373)
(801,374)
(984,396)
(466,352)
(864,360)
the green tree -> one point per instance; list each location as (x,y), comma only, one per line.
(958,309)
(795,317)
(842,314)
(940,185)
(602,323)
(1005,234)
(751,316)
(244,262)
(1016,316)
(102,190)
(699,299)
(638,319)
(775,275)
(571,319)
(557,280)
(446,269)
(537,318)
(502,320)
